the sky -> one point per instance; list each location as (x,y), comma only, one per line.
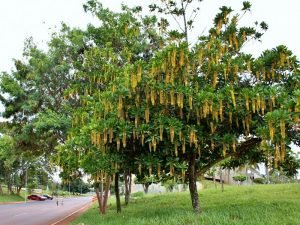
(21,19)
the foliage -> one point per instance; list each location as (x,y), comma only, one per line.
(240,178)
(182,99)
(259,180)
(169,184)
(256,204)
(32,94)
(290,165)
(77,186)
(14,165)
(279,177)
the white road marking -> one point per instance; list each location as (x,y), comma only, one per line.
(20,214)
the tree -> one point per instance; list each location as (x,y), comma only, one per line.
(77,186)
(33,96)
(16,166)
(33,93)
(183,104)
(290,165)
(111,45)
(7,161)
(146,181)
(145,100)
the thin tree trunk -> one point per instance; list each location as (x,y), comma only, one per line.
(9,188)
(267,172)
(246,174)
(193,184)
(214,180)
(107,188)
(221,180)
(19,189)
(184,22)
(22,182)
(102,195)
(146,187)
(117,192)
(98,198)
(1,190)
(228,176)
(128,180)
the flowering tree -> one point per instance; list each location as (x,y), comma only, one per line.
(151,101)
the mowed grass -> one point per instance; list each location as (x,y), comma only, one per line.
(241,205)
(10,198)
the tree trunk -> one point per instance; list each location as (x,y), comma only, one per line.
(117,192)
(146,187)
(228,176)
(10,188)
(99,198)
(102,195)
(193,184)
(267,172)
(19,189)
(246,174)
(214,180)
(221,180)
(107,188)
(22,182)
(128,180)
(1,190)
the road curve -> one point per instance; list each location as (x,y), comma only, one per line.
(41,212)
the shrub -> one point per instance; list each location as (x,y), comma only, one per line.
(240,178)
(169,184)
(259,180)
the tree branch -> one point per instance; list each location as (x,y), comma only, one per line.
(243,148)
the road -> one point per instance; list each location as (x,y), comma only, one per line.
(41,212)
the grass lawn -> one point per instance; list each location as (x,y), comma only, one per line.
(241,205)
(10,198)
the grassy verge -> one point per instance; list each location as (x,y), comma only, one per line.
(10,198)
(257,204)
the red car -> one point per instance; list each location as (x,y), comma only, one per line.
(36,197)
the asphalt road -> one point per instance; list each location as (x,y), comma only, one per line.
(41,212)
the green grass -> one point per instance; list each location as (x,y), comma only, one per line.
(10,198)
(241,205)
